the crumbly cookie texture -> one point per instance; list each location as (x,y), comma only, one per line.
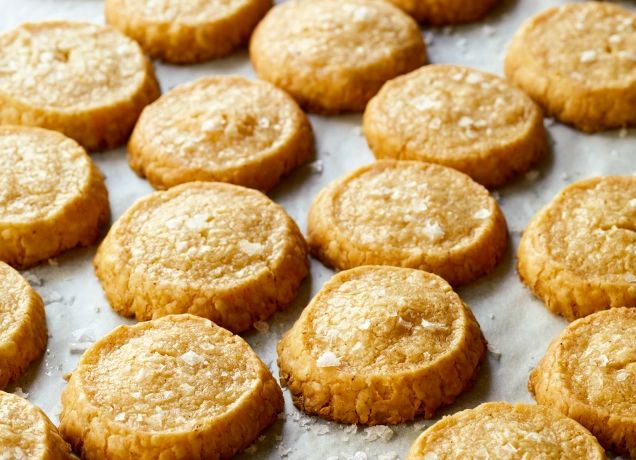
(186,31)
(462,118)
(504,430)
(334,55)
(409,214)
(578,254)
(443,12)
(220,251)
(23,333)
(27,433)
(52,196)
(380,345)
(175,387)
(85,80)
(578,62)
(589,373)
(225,128)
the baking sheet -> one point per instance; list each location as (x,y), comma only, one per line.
(516,325)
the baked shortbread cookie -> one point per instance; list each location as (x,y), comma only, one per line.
(88,81)
(225,128)
(380,345)
(175,387)
(442,12)
(334,55)
(186,31)
(578,62)
(409,214)
(220,251)
(504,430)
(23,333)
(52,196)
(589,374)
(27,433)
(577,254)
(458,117)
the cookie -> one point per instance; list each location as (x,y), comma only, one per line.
(27,433)
(577,61)
(52,196)
(224,128)
(23,333)
(85,80)
(190,31)
(444,12)
(577,254)
(589,374)
(220,251)
(457,117)
(334,55)
(504,430)
(175,387)
(409,214)
(380,345)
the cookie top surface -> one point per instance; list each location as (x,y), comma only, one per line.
(204,235)
(504,430)
(590,229)
(592,43)
(15,301)
(379,320)
(218,123)
(410,206)
(68,66)
(40,172)
(334,35)
(170,374)
(596,361)
(188,11)
(450,112)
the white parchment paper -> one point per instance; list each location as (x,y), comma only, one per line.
(516,325)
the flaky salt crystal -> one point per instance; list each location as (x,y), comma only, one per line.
(433,230)
(120,417)
(465,122)
(482,214)
(249,247)
(363,326)
(622,375)
(588,56)
(328,359)
(474,78)
(428,325)
(376,432)
(191,358)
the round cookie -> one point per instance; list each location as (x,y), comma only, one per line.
(442,12)
(577,61)
(409,214)
(457,117)
(334,55)
(504,430)
(380,345)
(577,254)
(27,433)
(220,251)
(85,80)
(175,387)
(188,31)
(225,128)
(52,196)
(23,333)
(589,374)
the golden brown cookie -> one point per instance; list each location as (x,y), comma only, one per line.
(510,431)
(220,251)
(457,117)
(380,345)
(334,55)
(441,12)
(27,433)
(578,253)
(88,81)
(409,214)
(175,387)
(578,62)
(52,196)
(186,31)
(23,333)
(589,374)
(225,128)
